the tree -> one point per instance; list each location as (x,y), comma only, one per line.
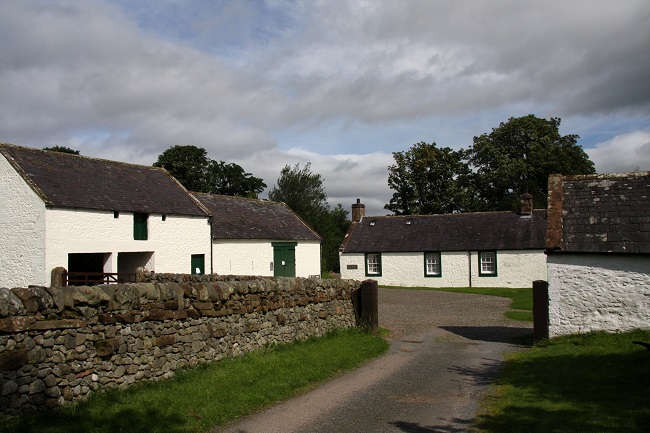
(428,180)
(518,157)
(231,179)
(191,166)
(62,149)
(303,192)
(188,164)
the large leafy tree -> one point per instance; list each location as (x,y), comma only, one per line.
(188,164)
(518,156)
(304,193)
(231,179)
(191,166)
(427,179)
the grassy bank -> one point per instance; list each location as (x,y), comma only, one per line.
(580,383)
(198,399)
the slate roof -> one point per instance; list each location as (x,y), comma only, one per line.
(74,181)
(601,213)
(242,218)
(448,232)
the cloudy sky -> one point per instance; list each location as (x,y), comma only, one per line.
(341,84)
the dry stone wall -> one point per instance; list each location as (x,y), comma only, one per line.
(58,344)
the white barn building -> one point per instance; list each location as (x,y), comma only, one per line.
(486,249)
(598,244)
(94,216)
(260,237)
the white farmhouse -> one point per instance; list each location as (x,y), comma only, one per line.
(94,216)
(260,237)
(486,249)
(598,243)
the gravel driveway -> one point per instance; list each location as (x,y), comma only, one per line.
(446,348)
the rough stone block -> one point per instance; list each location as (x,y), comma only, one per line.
(10,304)
(13,360)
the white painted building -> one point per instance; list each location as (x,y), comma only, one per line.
(487,249)
(260,237)
(598,244)
(90,215)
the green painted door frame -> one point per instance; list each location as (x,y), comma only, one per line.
(198,264)
(284,259)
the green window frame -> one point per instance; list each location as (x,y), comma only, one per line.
(197,262)
(140,226)
(373,264)
(432,264)
(487,264)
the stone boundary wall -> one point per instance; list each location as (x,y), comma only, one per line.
(58,344)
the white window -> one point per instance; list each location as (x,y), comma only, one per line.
(373,264)
(432,267)
(488,263)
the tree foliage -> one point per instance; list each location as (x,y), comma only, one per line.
(191,166)
(427,180)
(518,156)
(62,149)
(304,193)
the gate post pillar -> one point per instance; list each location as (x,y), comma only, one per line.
(540,310)
(369,306)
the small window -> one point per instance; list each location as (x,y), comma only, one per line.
(487,264)
(432,265)
(140,230)
(116,214)
(373,264)
(164,217)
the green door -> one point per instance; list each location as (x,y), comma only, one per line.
(198,264)
(284,259)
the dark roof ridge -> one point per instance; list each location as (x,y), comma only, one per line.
(450,214)
(66,155)
(601,176)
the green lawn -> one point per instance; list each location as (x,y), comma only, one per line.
(521,307)
(198,399)
(580,383)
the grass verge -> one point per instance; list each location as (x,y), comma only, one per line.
(521,307)
(580,383)
(198,399)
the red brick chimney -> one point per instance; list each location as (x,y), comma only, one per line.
(358,211)
(526,205)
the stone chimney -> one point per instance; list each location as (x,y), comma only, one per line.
(358,211)
(526,205)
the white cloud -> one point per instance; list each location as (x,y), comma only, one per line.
(348,82)
(623,153)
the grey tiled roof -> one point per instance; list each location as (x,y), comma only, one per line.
(449,232)
(73,181)
(600,213)
(242,218)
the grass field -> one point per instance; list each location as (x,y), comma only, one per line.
(580,383)
(198,399)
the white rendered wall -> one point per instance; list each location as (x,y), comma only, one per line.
(598,293)
(172,241)
(308,258)
(22,231)
(254,257)
(514,269)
